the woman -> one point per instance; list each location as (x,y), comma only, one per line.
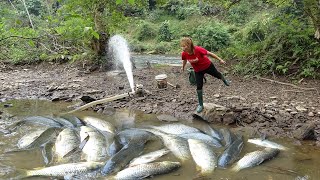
(198,58)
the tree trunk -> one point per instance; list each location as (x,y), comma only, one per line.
(312,8)
(100,45)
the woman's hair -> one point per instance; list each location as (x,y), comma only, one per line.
(187,41)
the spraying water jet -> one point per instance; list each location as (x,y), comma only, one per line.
(118,48)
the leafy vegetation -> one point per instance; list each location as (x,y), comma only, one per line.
(261,37)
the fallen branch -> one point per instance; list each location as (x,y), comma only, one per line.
(292,91)
(288,84)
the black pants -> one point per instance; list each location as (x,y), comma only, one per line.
(210,70)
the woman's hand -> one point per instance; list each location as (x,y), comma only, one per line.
(222,61)
(194,60)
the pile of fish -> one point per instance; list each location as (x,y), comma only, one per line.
(73,147)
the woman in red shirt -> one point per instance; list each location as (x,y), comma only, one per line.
(198,58)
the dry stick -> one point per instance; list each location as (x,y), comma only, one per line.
(101,101)
(288,84)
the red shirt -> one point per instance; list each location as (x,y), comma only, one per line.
(199,53)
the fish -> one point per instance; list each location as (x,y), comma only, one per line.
(35,120)
(149,157)
(202,137)
(255,158)
(177,145)
(228,136)
(267,143)
(203,156)
(61,170)
(95,148)
(65,123)
(122,158)
(175,128)
(46,151)
(99,124)
(66,141)
(231,153)
(37,138)
(206,128)
(146,170)
(125,136)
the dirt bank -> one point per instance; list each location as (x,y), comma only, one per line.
(273,108)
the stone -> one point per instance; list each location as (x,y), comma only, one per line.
(216,95)
(301,109)
(310,114)
(306,131)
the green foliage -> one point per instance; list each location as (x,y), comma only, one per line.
(146,31)
(164,32)
(162,48)
(187,11)
(240,14)
(212,36)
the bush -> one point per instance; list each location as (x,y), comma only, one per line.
(145,31)
(212,36)
(239,14)
(185,12)
(162,48)
(164,32)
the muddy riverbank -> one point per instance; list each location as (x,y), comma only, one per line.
(275,108)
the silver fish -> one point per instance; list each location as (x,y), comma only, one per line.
(176,128)
(66,141)
(146,170)
(267,143)
(96,148)
(99,124)
(149,157)
(37,138)
(62,170)
(177,145)
(231,153)
(202,137)
(203,156)
(255,158)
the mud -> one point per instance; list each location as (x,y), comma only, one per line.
(266,107)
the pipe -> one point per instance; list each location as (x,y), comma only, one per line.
(101,101)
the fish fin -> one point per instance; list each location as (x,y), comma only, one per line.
(77,149)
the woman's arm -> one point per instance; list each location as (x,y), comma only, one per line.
(216,57)
(184,62)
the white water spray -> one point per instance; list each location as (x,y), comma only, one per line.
(118,47)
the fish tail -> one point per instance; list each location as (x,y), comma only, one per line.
(20,174)
(235,168)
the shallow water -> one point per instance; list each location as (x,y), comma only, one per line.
(297,161)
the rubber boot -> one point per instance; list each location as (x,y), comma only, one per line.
(225,81)
(200,100)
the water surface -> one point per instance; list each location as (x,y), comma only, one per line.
(298,161)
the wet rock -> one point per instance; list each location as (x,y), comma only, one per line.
(306,131)
(167,118)
(213,112)
(229,118)
(7,105)
(87,99)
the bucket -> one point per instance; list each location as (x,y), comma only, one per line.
(161,81)
(192,76)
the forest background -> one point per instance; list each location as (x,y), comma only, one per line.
(258,37)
